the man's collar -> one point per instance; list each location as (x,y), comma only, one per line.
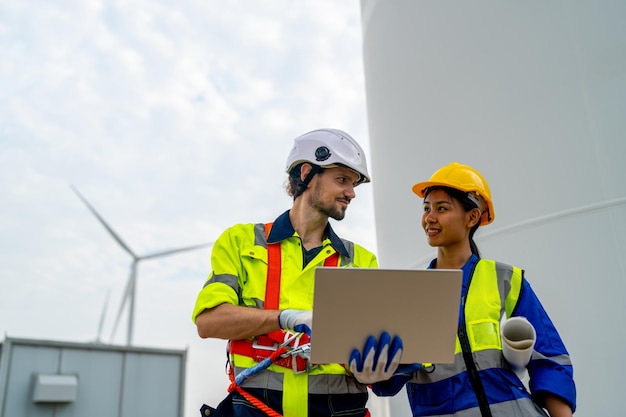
(283,229)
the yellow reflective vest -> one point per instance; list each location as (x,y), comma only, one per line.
(238,276)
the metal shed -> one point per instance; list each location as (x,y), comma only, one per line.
(42,378)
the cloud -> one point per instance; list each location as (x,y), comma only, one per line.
(174,120)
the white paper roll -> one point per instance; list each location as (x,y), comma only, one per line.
(518,341)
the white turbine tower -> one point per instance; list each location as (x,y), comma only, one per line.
(129,292)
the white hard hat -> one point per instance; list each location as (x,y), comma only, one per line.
(328,148)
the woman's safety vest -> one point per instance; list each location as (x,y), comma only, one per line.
(494,290)
(292,375)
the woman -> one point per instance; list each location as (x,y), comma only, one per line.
(480,382)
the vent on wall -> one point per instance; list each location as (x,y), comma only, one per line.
(55,388)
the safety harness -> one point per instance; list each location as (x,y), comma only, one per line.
(279,347)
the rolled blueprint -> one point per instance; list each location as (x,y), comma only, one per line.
(518,341)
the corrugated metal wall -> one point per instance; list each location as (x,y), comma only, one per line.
(112,380)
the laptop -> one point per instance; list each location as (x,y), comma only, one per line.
(420,306)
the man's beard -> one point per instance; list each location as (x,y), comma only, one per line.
(329,210)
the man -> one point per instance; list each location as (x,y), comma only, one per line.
(259,294)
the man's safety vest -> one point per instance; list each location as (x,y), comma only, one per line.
(292,376)
(478,347)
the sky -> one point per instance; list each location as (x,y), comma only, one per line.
(174,121)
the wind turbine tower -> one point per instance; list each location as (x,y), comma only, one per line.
(129,292)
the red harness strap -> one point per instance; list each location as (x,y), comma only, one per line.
(272,286)
(274,267)
(263,345)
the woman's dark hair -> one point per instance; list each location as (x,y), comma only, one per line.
(461,197)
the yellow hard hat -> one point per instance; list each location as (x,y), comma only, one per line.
(464,178)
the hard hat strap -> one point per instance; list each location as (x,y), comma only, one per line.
(303,184)
(474,198)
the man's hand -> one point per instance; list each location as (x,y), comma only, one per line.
(379,360)
(296,320)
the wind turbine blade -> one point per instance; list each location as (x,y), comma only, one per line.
(125,297)
(131,306)
(102,315)
(104,223)
(173,251)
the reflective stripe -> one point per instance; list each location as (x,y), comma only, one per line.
(560,359)
(259,235)
(504,273)
(335,384)
(523,407)
(347,261)
(318,384)
(484,359)
(227,279)
(512,277)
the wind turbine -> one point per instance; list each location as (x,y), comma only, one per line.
(129,292)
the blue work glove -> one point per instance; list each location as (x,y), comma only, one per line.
(379,360)
(296,320)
